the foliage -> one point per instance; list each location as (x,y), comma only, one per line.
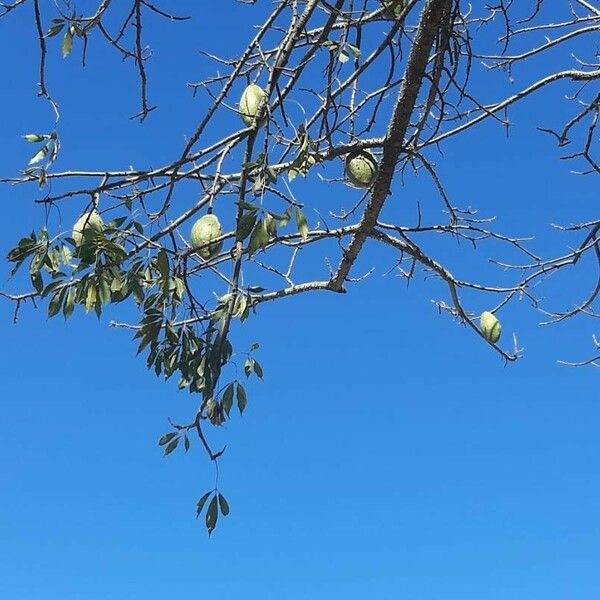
(400,79)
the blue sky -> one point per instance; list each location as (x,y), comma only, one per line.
(388,453)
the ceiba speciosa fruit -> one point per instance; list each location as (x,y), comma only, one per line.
(361,168)
(89,221)
(490,327)
(205,230)
(251,101)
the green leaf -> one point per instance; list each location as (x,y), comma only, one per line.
(258,369)
(179,287)
(240,305)
(116,223)
(55,30)
(271,174)
(248,206)
(212,515)
(201,503)
(248,366)
(69,306)
(103,291)
(55,151)
(117,284)
(286,218)
(259,238)
(42,179)
(149,335)
(36,137)
(25,248)
(51,288)
(39,156)
(98,307)
(138,291)
(242,399)
(90,297)
(228,399)
(344,56)
(223,505)
(56,303)
(165,439)
(66,256)
(67,43)
(37,282)
(301,223)
(259,184)
(395,8)
(245,226)
(354,49)
(186,443)
(271,224)
(172,445)
(162,263)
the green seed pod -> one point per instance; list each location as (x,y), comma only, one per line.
(490,327)
(91,221)
(251,101)
(205,230)
(361,168)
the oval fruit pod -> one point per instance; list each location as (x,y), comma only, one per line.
(88,221)
(205,230)
(251,101)
(490,327)
(361,168)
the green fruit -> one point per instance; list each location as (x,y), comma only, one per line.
(90,221)
(490,327)
(205,230)
(251,101)
(361,168)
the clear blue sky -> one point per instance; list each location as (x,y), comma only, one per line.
(388,454)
